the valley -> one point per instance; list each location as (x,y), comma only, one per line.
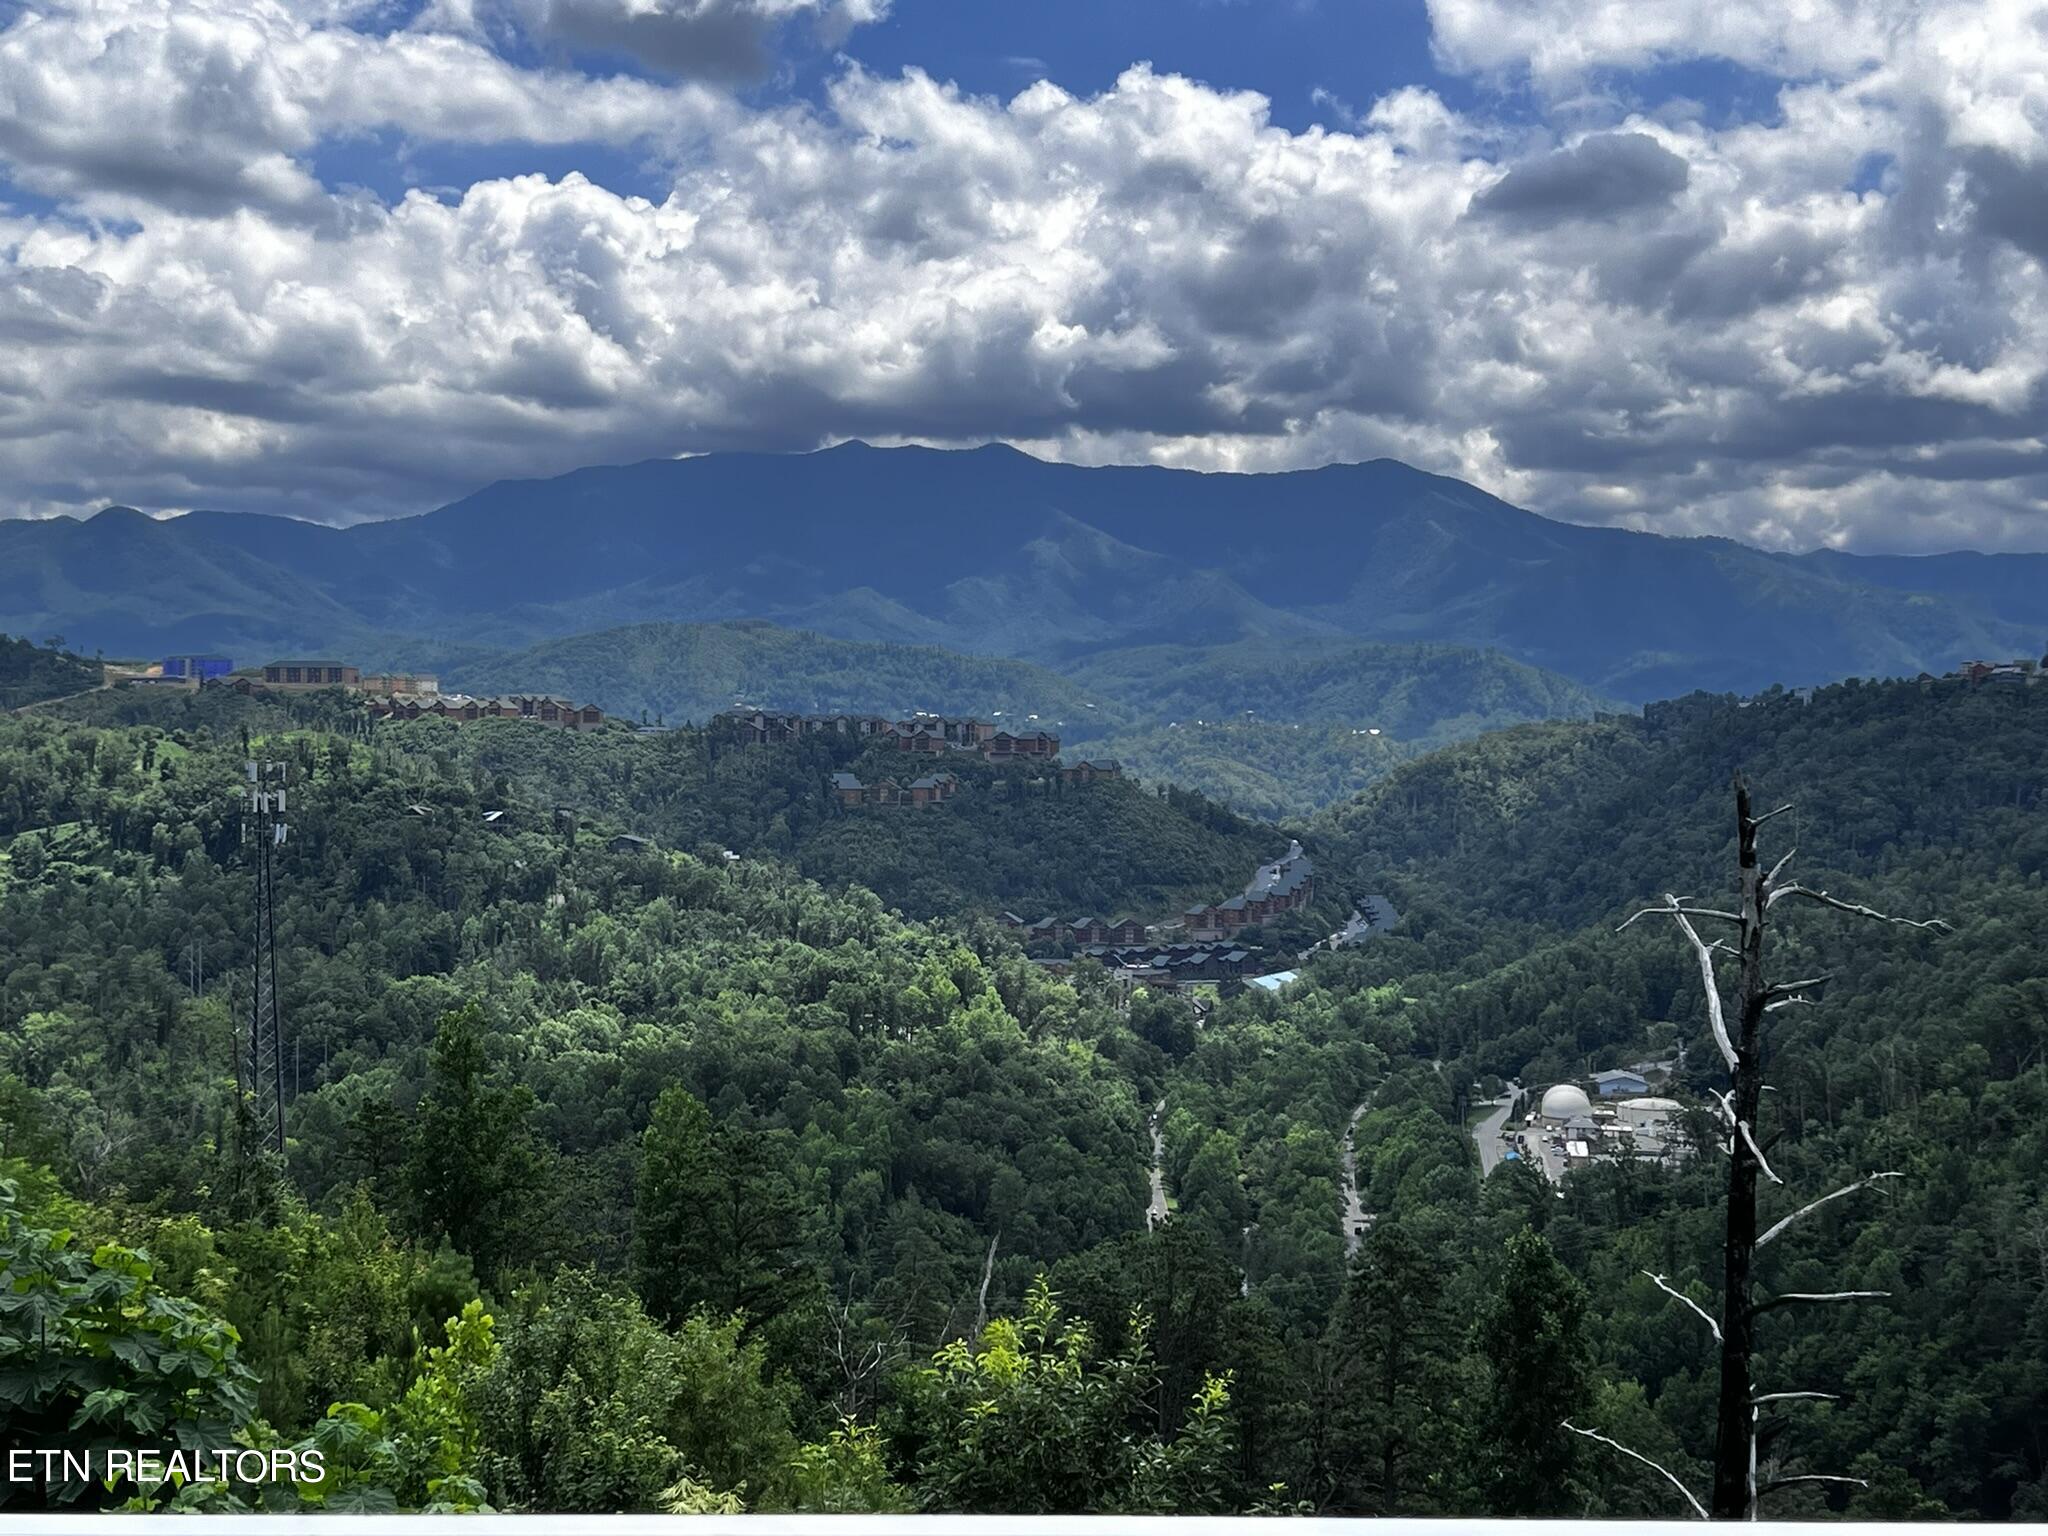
(924,1120)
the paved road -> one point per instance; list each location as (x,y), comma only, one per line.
(1487,1132)
(61,698)
(1155,1213)
(1357,1219)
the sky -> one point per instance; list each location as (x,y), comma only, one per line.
(1771,271)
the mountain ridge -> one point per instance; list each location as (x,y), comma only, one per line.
(991,551)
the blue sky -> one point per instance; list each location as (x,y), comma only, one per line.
(1766,272)
(1317,62)
(1356,49)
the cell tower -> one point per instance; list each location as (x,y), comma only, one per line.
(265,830)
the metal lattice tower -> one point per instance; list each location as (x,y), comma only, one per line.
(265,830)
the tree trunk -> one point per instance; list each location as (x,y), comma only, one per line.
(1736,1425)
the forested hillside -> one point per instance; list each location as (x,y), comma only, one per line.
(483,1023)
(1309,723)
(1283,730)
(1520,854)
(1426,694)
(1102,848)
(657,1181)
(1000,843)
(1262,768)
(689,672)
(30,673)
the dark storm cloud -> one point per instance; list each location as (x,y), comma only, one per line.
(2010,199)
(1600,177)
(710,41)
(257,399)
(1259,285)
(728,42)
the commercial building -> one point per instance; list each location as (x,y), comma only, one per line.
(1281,886)
(310,674)
(1619,1082)
(197,668)
(424,684)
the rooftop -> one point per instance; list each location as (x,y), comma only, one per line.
(1274,982)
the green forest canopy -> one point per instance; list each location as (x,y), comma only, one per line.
(31,673)
(518,1054)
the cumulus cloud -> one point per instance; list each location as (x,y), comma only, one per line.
(212,108)
(1654,321)
(723,40)
(1602,176)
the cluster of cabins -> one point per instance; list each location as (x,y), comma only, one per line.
(415,695)
(852,792)
(2002,674)
(1165,966)
(2015,675)
(932,789)
(1161,967)
(1078,934)
(932,734)
(1370,917)
(301,675)
(1202,947)
(544,708)
(286,676)
(1285,884)
(390,695)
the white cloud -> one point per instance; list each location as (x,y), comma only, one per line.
(213,107)
(1641,318)
(720,40)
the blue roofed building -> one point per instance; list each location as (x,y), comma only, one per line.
(198,668)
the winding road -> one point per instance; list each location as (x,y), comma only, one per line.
(1486,1134)
(1155,1213)
(1357,1219)
(60,698)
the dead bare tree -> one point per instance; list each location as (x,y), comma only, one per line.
(860,1354)
(1741,1407)
(988,1270)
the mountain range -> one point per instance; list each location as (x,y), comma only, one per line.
(993,552)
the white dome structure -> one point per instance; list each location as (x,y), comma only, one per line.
(1565,1101)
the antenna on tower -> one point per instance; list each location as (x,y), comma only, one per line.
(265,829)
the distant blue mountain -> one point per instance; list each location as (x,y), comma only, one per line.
(993,552)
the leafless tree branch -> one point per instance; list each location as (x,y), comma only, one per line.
(1712,1326)
(1717,1019)
(1786,1397)
(988,1270)
(1675,906)
(1792,988)
(1756,1152)
(1822,898)
(1779,868)
(1757,821)
(1807,1477)
(1668,1476)
(1808,1210)
(1771,1303)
